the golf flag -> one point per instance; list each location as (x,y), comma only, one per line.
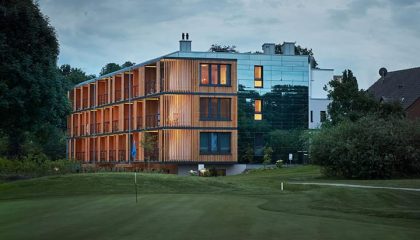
(133,150)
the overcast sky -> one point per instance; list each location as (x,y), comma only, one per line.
(360,35)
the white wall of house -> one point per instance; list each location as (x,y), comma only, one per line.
(318,99)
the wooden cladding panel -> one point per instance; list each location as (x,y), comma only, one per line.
(184,146)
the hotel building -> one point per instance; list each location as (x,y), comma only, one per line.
(188,108)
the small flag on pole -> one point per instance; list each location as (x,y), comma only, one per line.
(134,150)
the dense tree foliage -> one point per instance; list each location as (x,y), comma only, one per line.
(224,48)
(348,102)
(74,75)
(33,102)
(112,67)
(372,147)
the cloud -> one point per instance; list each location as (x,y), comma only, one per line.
(360,35)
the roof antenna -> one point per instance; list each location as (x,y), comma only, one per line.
(183,35)
(187,36)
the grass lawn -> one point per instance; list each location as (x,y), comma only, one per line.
(248,206)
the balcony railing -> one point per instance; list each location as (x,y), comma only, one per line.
(136,91)
(80,156)
(111,155)
(139,122)
(121,155)
(82,130)
(75,131)
(115,127)
(92,100)
(102,156)
(85,102)
(152,155)
(106,127)
(152,120)
(92,128)
(117,95)
(126,93)
(150,87)
(102,99)
(128,123)
(93,156)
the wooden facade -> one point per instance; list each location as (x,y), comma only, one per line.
(113,114)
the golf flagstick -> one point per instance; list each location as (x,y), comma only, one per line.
(135,183)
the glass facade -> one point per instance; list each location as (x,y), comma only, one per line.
(272,99)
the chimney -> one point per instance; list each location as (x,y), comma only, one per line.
(269,48)
(288,48)
(185,43)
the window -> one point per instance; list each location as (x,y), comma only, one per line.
(215,109)
(258,144)
(258,76)
(215,74)
(258,109)
(323,115)
(205,74)
(215,142)
(312,116)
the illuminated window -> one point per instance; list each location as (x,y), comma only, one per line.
(215,74)
(258,76)
(258,109)
(205,74)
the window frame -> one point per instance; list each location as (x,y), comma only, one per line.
(259,79)
(218,112)
(218,84)
(209,143)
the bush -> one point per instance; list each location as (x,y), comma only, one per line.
(279,163)
(369,148)
(35,166)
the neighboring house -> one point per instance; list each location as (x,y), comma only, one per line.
(401,86)
(200,107)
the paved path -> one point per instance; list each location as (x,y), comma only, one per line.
(355,186)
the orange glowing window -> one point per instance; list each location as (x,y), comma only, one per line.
(258,109)
(258,76)
(205,74)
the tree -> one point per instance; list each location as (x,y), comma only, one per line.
(224,48)
(299,50)
(74,75)
(32,93)
(268,154)
(348,102)
(109,68)
(127,64)
(148,143)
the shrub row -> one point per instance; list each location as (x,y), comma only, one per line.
(369,148)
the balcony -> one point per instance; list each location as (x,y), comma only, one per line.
(93,156)
(80,156)
(150,87)
(152,155)
(152,120)
(111,155)
(102,156)
(136,91)
(126,93)
(117,95)
(85,102)
(102,99)
(106,127)
(139,122)
(121,155)
(115,127)
(128,123)
(75,131)
(82,130)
